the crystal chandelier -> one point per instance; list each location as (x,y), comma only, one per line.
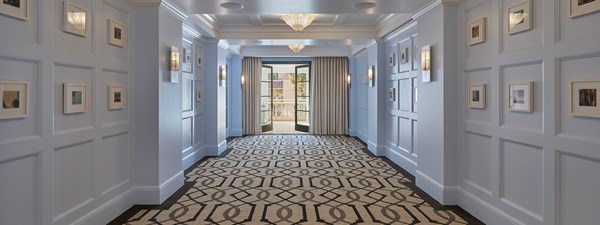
(77,19)
(298,21)
(296,48)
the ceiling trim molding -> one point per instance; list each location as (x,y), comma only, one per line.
(426,9)
(174,10)
(453,2)
(284,51)
(400,31)
(204,24)
(190,31)
(358,49)
(223,44)
(391,23)
(144,3)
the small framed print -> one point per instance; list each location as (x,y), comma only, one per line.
(392,59)
(403,55)
(116,97)
(476,31)
(15,99)
(198,60)
(476,96)
(584,98)
(520,97)
(519,17)
(75,98)
(582,7)
(116,33)
(186,66)
(198,94)
(74,19)
(15,8)
(392,94)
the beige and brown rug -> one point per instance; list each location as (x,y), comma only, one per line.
(297,179)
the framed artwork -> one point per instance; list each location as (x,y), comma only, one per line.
(392,59)
(403,55)
(392,94)
(519,17)
(116,97)
(582,7)
(15,99)
(15,8)
(198,94)
(186,66)
(520,97)
(74,19)
(75,98)
(476,31)
(116,33)
(476,96)
(198,60)
(584,98)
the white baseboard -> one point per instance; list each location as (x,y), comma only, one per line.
(109,210)
(482,210)
(191,159)
(401,160)
(444,195)
(222,147)
(156,195)
(378,150)
(236,132)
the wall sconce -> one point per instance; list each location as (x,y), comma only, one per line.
(371,75)
(174,64)
(222,75)
(349,79)
(242,81)
(426,63)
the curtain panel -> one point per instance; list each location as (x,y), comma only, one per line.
(251,70)
(330,96)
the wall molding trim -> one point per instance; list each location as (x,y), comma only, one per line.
(401,160)
(427,9)
(109,210)
(156,195)
(190,31)
(174,10)
(453,2)
(400,31)
(144,3)
(222,147)
(484,211)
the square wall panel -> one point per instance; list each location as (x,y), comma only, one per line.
(112,162)
(526,39)
(478,161)
(481,50)
(578,185)
(72,178)
(521,74)
(579,27)
(69,42)
(404,45)
(21,31)
(479,77)
(114,116)
(74,121)
(405,133)
(19,198)
(109,51)
(521,183)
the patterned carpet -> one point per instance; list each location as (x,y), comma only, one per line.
(297,179)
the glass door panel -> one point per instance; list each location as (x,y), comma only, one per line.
(302,97)
(266,99)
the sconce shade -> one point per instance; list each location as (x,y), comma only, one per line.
(426,58)
(174,58)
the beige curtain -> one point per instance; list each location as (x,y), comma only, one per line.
(251,70)
(329,105)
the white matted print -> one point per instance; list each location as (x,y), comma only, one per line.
(116,97)
(392,94)
(16,8)
(392,59)
(403,55)
(520,97)
(476,96)
(186,66)
(519,17)
(584,98)
(198,60)
(75,98)
(476,31)
(116,33)
(582,7)
(74,19)
(198,94)
(14,95)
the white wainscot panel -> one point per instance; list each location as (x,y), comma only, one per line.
(405,132)
(199,84)
(69,42)
(118,115)
(481,50)
(392,130)
(522,177)
(478,161)
(75,121)
(525,39)
(109,51)
(186,125)
(405,96)
(19,30)
(112,163)
(187,94)
(19,199)
(21,128)
(532,121)
(393,104)
(577,69)
(198,128)
(578,27)
(482,76)
(579,182)
(72,178)
(404,45)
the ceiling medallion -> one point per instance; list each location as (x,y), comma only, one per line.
(298,21)
(296,48)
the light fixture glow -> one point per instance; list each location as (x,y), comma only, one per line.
(371,75)
(77,19)
(174,58)
(296,48)
(426,63)
(349,78)
(242,81)
(298,21)
(222,74)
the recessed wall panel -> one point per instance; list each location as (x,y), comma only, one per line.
(482,76)
(579,27)
(478,160)
(73,121)
(405,134)
(525,39)
(16,30)
(392,130)
(72,177)
(198,129)
(522,177)
(69,42)
(405,94)
(187,134)
(109,51)
(117,115)
(484,49)
(112,162)
(522,74)
(578,183)
(404,46)
(19,199)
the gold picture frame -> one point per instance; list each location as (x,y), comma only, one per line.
(476,31)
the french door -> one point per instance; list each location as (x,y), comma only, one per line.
(302,100)
(266,98)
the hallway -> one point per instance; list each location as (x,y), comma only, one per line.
(297,179)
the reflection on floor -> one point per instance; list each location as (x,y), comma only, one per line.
(284,127)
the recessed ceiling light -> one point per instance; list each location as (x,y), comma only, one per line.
(231,5)
(364,5)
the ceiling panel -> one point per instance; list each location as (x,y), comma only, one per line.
(322,19)
(233,19)
(362,19)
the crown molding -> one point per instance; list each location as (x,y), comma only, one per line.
(285,32)
(391,23)
(174,10)
(284,51)
(144,3)
(403,29)
(190,31)
(427,9)
(205,24)
(452,2)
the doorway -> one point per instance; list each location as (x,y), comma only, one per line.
(285,97)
